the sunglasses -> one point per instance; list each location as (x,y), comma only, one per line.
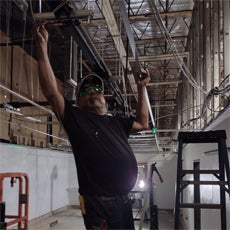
(91,88)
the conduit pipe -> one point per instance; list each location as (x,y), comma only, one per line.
(34,130)
(26,99)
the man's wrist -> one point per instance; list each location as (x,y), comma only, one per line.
(141,87)
(42,53)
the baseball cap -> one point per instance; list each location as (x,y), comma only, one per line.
(91,79)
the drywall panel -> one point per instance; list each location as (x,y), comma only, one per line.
(164,192)
(49,171)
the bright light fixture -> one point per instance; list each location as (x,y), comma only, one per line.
(141,184)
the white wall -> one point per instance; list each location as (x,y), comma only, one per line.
(164,192)
(52,177)
(166,164)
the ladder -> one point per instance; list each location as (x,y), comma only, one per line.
(218,136)
(21,218)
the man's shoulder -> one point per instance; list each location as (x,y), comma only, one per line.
(71,103)
(71,107)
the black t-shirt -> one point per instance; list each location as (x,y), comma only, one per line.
(105,162)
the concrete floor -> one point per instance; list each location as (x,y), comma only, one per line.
(71,219)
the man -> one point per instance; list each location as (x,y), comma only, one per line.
(106,165)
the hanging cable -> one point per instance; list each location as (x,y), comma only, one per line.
(183,67)
(213,92)
(23,48)
(35,130)
(8,15)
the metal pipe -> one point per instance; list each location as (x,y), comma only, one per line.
(35,130)
(26,99)
(40,6)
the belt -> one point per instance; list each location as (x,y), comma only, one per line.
(111,198)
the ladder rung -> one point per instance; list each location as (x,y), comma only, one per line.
(200,171)
(198,205)
(202,137)
(187,182)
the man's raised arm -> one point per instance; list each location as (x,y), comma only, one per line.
(142,114)
(46,75)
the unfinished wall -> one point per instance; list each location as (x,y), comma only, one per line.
(207,94)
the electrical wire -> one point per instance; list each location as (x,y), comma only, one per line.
(226,78)
(179,59)
(167,115)
(213,92)
(23,48)
(218,111)
(184,68)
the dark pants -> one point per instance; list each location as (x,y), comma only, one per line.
(107,212)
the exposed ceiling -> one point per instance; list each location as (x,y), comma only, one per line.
(159,29)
